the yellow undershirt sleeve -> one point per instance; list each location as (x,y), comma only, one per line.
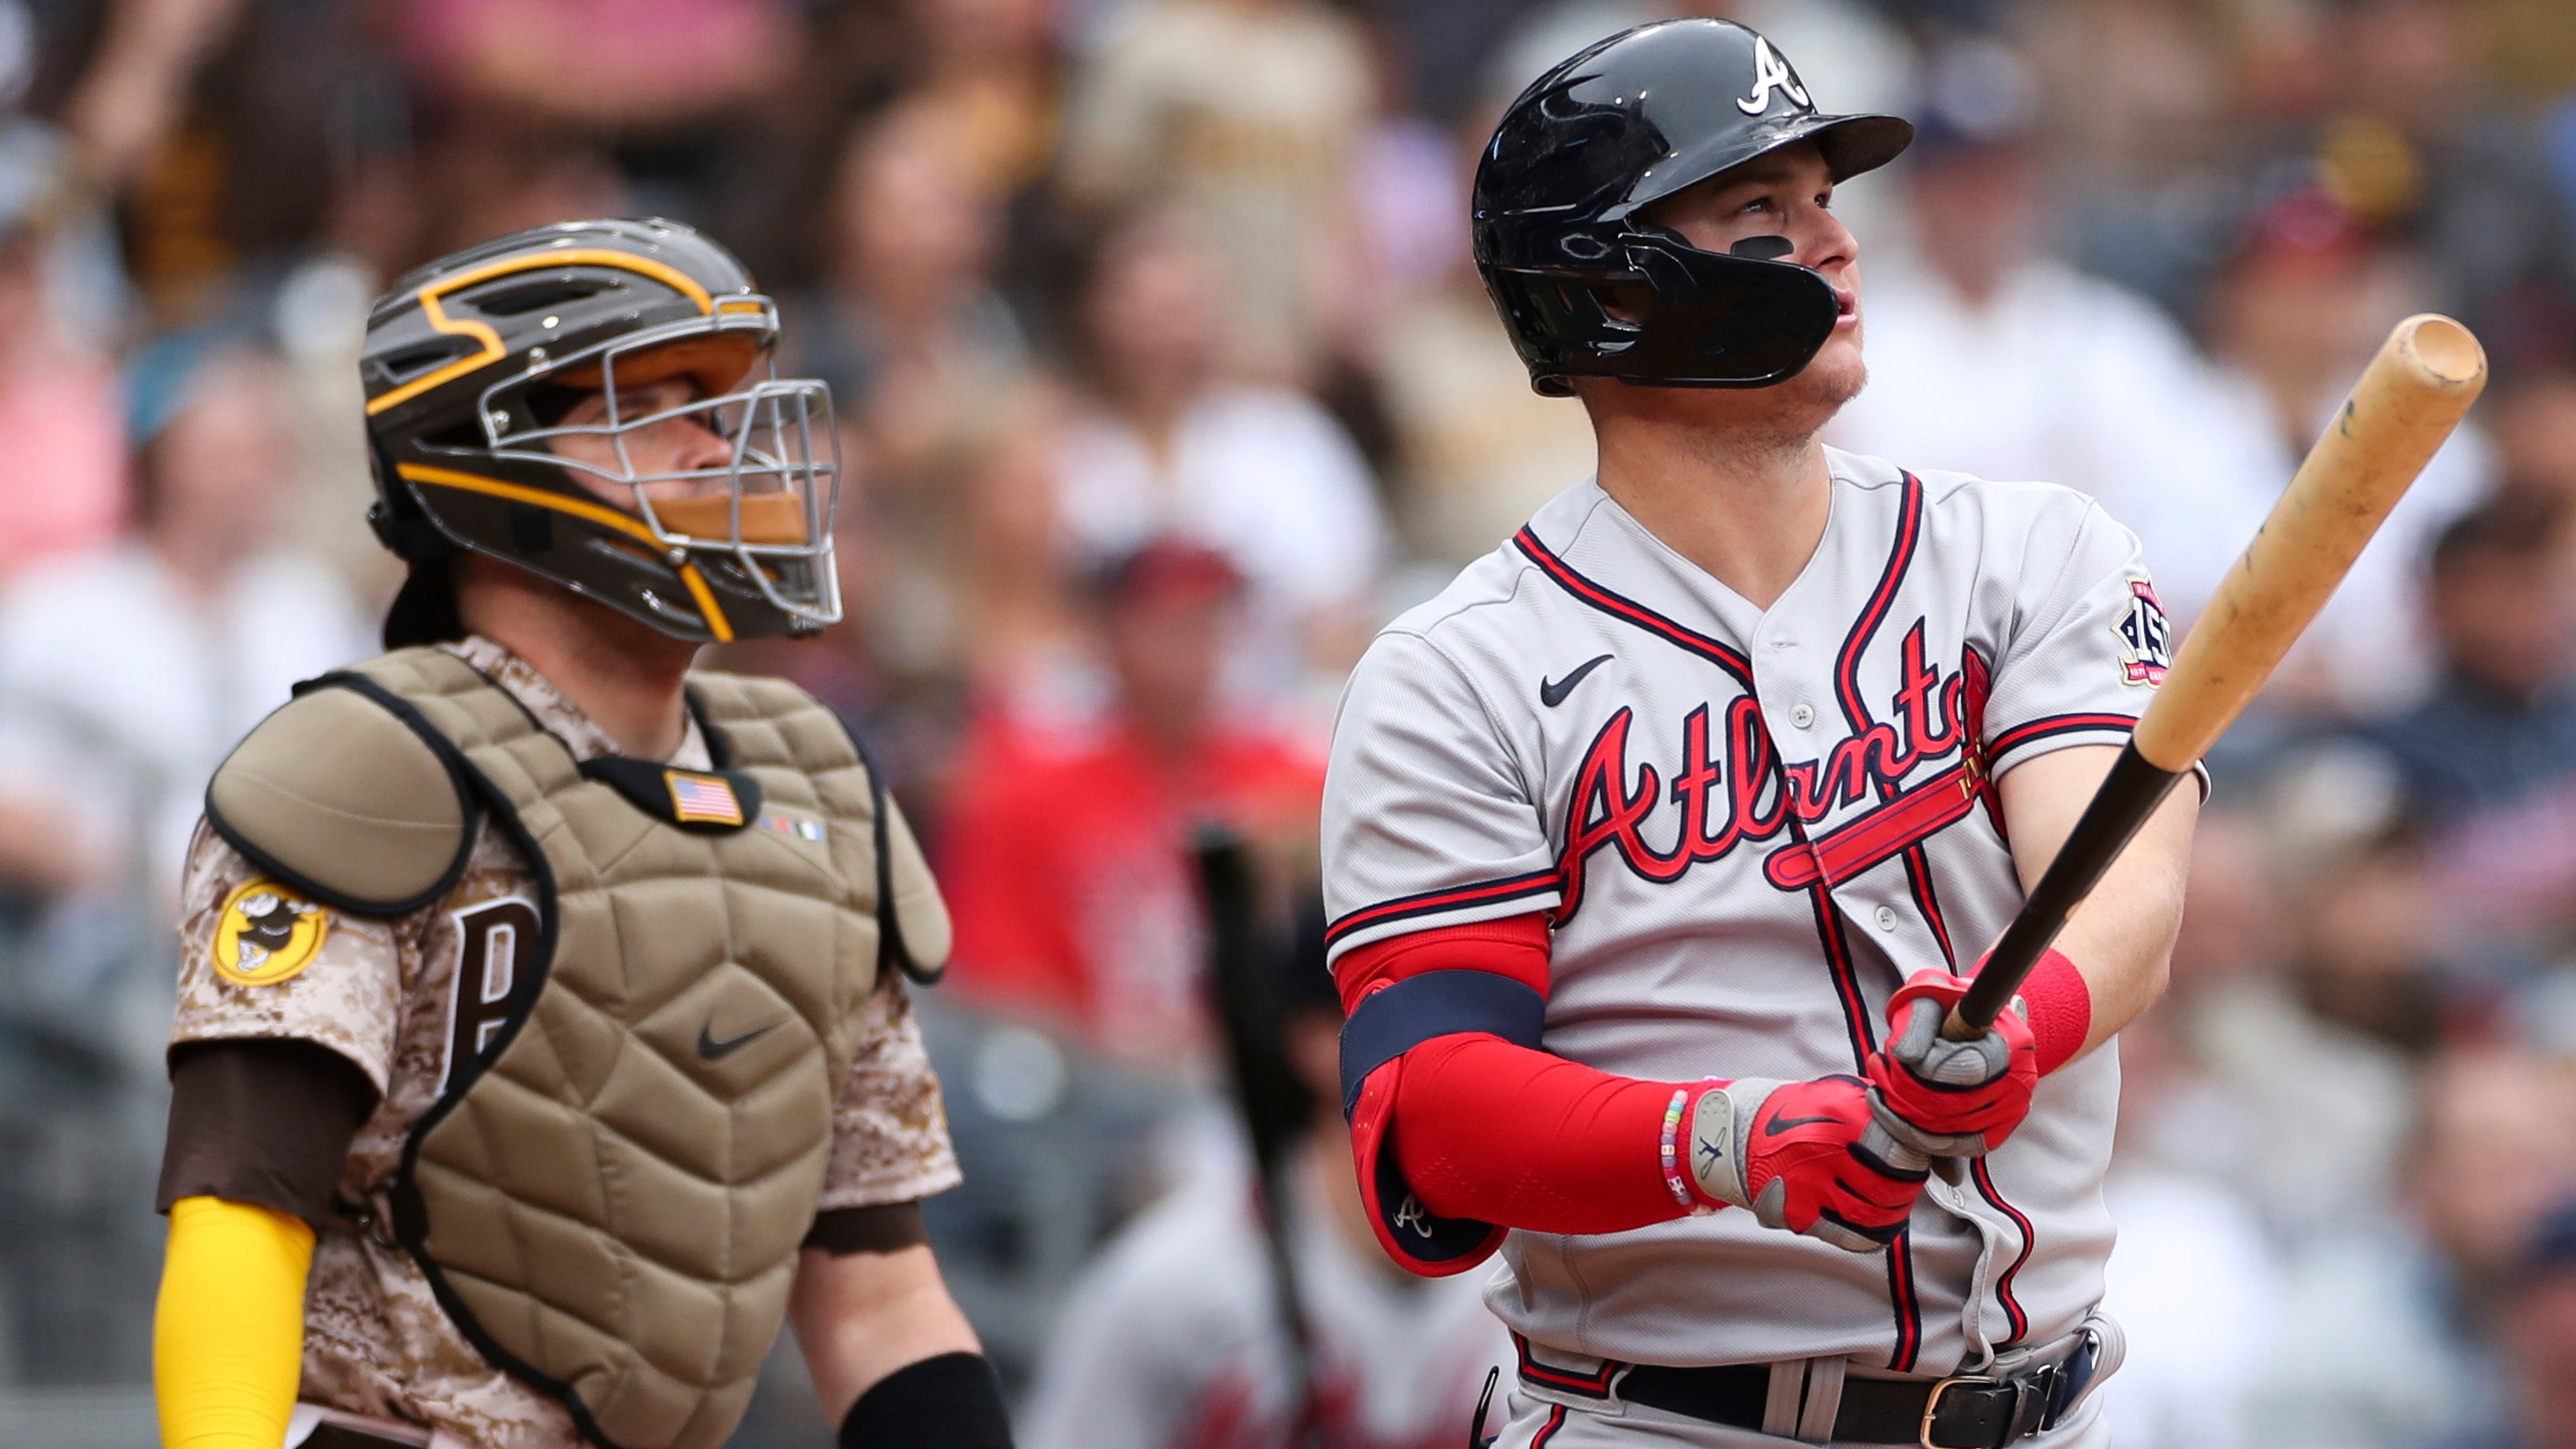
(228,1337)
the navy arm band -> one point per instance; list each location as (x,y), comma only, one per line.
(950,1401)
(1389,1023)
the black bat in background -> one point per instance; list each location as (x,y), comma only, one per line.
(1244,958)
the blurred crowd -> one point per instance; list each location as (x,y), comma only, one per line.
(1162,378)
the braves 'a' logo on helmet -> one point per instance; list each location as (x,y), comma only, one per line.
(1563,196)
(1771,73)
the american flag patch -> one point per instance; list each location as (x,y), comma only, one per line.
(708,798)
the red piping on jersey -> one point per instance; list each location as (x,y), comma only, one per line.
(1546,1434)
(1918,878)
(1902,821)
(2057,724)
(2013,1313)
(1838,965)
(1621,607)
(1594,1385)
(1481,893)
(1909,528)
(1909,1314)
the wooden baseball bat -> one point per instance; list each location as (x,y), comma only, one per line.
(2407,402)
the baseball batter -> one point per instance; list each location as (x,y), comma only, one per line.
(542,1040)
(1659,844)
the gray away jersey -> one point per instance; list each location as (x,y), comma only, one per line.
(1747,826)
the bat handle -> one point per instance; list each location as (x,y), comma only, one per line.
(2128,795)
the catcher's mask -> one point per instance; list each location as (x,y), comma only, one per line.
(520,403)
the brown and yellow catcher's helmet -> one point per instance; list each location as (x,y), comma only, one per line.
(471,366)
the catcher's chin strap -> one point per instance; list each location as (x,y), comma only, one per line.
(228,1334)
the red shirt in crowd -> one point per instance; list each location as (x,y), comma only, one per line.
(1067,868)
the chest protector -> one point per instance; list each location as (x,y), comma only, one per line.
(609,1196)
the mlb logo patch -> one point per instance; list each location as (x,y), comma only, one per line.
(2146,640)
(702,799)
(792,825)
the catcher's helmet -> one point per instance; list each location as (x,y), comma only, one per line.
(1625,123)
(471,367)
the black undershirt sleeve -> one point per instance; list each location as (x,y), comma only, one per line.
(264,1121)
(887,1229)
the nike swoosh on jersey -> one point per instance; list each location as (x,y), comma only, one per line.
(711,1050)
(1553,694)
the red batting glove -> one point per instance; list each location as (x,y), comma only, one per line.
(1811,1157)
(1951,1098)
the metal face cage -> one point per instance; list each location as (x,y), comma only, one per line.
(761,521)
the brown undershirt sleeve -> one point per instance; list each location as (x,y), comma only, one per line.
(264,1121)
(887,1229)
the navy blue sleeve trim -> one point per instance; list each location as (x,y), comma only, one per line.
(1510,888)
(1394,1021)
(2056,724)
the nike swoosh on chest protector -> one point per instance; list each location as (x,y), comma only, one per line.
(710,1049)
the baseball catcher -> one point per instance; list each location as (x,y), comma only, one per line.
(542,1040)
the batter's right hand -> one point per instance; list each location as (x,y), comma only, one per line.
(1807,1156)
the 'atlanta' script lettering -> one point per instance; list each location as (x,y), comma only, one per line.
(1732,787)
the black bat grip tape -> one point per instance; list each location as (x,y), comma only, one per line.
(2127,796)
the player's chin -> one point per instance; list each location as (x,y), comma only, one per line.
(1832,378)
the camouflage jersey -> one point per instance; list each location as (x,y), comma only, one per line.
(381,992)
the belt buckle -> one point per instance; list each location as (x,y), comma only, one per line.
(1932,1402)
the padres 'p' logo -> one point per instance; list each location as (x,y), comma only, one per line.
(267,934)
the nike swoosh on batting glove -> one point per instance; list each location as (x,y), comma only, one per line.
(1810,1157)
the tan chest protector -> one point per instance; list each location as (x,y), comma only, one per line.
(609,1196)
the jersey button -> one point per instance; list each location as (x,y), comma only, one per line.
(1802,716)
(1886,918)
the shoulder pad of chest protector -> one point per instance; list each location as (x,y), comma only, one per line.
(341,797)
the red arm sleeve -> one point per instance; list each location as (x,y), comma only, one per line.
(1499,1133)
(1488,1130)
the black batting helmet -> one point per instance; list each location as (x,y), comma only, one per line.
(473,365)
(1625,123)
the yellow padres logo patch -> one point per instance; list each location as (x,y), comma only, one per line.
(267,934)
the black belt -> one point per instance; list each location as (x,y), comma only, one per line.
(338,1429)
(347,1436)
(1964,1411)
